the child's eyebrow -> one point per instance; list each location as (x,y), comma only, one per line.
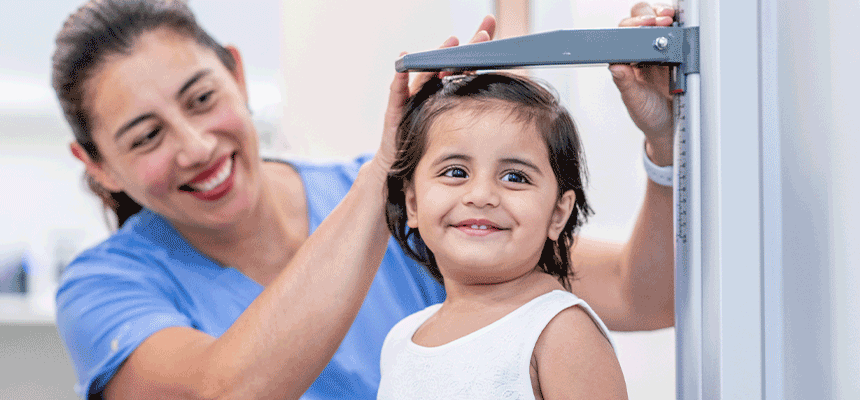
(451,156)
(520,161)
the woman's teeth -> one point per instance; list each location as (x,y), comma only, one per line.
(216,180)
(479,227)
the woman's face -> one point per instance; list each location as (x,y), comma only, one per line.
(174,131)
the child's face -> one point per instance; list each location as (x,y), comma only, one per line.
(484,196)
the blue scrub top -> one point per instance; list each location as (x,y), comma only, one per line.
(146,277)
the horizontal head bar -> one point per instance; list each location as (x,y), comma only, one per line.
(662,45)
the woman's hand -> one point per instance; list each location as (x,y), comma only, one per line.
(401,89)
(645,90)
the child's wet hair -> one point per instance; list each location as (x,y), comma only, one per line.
(528,102)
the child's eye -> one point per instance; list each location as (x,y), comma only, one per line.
(455,172)
(515,177)
(149,137)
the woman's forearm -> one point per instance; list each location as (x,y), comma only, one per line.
(631,285)
(647,265)
(285,338)
(293,328)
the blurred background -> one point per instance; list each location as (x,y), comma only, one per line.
(318,78)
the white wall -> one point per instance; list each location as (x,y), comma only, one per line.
(821,224)
(338,62)
(845,144)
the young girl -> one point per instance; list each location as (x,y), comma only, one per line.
(486,193)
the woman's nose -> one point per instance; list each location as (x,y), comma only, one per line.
(196,146)
(482,193)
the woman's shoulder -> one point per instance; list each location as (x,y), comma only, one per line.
(143,239)
(325,181)
(346,169)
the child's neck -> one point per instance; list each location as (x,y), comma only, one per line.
(469,307)
(517,291)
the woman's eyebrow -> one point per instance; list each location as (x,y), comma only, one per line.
(131,124)
(188,84)
(192,81)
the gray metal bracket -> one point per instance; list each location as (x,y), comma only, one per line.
(675,46)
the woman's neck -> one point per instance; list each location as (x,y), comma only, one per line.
(262,243)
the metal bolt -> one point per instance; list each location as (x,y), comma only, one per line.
(661,43)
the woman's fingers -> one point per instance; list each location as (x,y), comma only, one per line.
(643,9)
(397,96)
(644,14)
(422,77)
(623,75)
(645,89)
(644,20)
(486,31)
(664,10)
(488,26)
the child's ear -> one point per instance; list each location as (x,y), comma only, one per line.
(411,207)
(560,214)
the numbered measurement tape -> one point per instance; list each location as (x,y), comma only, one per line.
(687,214)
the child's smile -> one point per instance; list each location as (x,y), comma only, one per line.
(484,196)
(478,227)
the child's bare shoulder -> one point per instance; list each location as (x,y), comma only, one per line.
(573,329)
(574,358)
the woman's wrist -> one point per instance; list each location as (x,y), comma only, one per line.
(374,173)
(662,175)
(659,151)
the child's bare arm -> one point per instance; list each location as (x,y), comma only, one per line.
(573,360)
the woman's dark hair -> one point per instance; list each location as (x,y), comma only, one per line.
(527,101)
(100,29)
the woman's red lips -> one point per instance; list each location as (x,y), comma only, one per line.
(214,183)
(203,176)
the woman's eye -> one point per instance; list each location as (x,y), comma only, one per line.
(455,172)
(152,135)
(202,100)
(515,177)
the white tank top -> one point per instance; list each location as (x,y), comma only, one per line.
(490,363)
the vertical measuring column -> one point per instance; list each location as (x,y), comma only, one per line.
(688,248)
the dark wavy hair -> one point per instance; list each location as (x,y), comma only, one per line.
(529,102)
(100,29)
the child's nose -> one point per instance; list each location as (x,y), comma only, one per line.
(482,193)
(196,145)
